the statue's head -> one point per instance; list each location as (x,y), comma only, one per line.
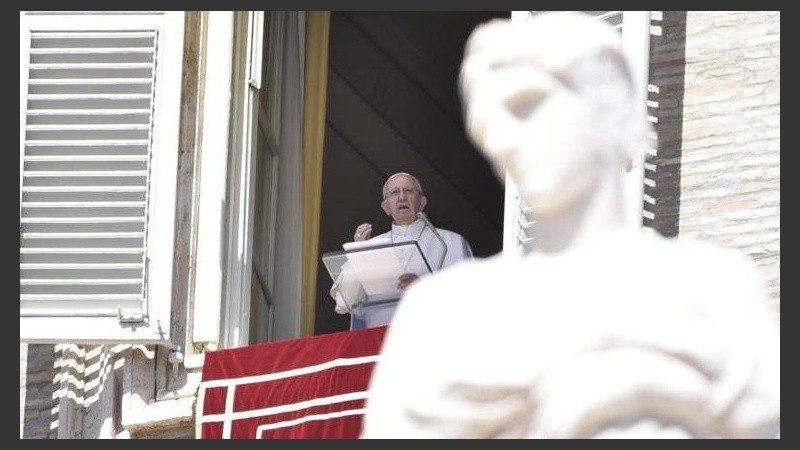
(552,101)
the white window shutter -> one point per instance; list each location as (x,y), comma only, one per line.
(634,29)
(99,119)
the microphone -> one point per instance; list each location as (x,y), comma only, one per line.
(424,217)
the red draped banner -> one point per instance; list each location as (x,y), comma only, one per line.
(308,388)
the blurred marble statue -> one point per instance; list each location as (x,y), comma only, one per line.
(602,330)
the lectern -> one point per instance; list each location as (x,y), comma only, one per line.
(366,274)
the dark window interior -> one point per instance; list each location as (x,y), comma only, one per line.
(393,105)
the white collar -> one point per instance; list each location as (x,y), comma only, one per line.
(413,226)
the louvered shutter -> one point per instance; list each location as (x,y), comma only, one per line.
(99,103)
(519,225)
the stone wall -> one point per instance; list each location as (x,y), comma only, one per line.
(715,94)
(37,388)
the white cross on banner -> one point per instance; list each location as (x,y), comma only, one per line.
(307,388)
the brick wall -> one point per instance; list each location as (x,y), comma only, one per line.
(715,90)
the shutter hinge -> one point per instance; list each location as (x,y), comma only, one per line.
(129,316)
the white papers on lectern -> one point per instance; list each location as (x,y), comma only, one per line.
(379,263)
(378,271)
(366,244)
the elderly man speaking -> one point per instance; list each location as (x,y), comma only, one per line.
(404,201)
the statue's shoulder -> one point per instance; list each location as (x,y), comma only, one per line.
(693,253)
(702,267)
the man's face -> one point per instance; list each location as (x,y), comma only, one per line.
(402,201)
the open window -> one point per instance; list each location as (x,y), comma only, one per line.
(247,286)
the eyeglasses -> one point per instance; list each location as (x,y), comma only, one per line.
(396,192)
